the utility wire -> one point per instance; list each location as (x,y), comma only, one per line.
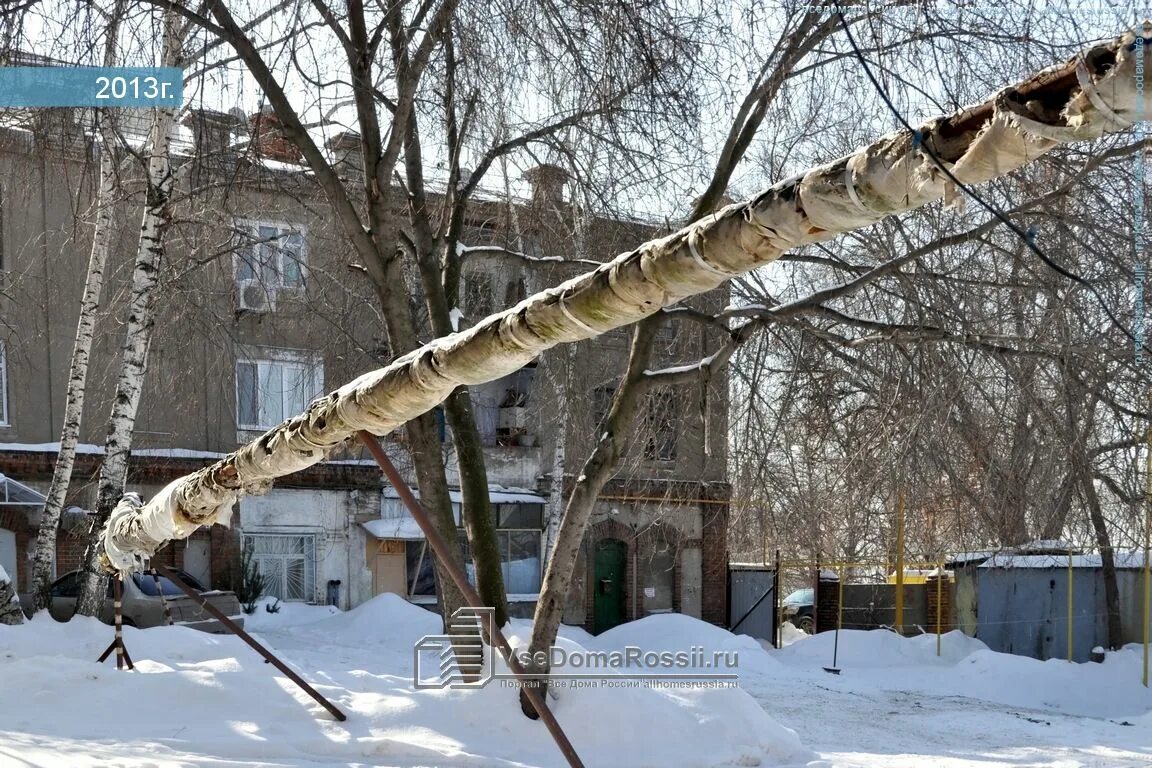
(1028,236)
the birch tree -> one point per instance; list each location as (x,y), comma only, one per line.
(44,556)
(156,219)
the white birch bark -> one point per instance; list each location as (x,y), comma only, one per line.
(559,457)
(44,555)
(888,176)
(141,322)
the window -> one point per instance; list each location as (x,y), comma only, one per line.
(272,254)
(660,443)
(519,515)
(421,573)
(275,386)
(519,560)
(478,301)
(287,562)
(3,386)
(515,291)
(147,584)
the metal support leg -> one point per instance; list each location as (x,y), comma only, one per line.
(237,630)
(440,547)
(122,657)
(160,592)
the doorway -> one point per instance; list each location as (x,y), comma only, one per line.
(389,568)
(608,583)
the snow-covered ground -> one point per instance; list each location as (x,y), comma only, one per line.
(202,700)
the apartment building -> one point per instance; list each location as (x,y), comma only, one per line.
(263,309)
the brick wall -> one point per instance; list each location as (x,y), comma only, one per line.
(714,564)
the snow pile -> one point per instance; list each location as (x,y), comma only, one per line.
(198,699)
(881,648)
(286,615)
(790,633)
(966,667)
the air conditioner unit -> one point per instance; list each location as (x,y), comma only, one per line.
(254,296)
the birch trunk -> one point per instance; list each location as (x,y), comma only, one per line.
(889,176)
(559,459)
(44,556)
(138,335)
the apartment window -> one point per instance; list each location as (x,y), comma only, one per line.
(275,385)
(660,442)
(287,562)
(3,386)
(272,254)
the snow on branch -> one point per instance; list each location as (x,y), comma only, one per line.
(1082,99)
(464,251)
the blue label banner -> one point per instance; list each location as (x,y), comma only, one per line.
(91,86)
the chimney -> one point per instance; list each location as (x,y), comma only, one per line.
(268,138)
(211,131)
(547,183)
(347,158)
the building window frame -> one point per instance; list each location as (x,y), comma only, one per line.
(308,368)
(271,252)
(662,434)
(299,550)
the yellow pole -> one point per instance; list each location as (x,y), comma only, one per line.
(1069,604)
(900,563)
(840,601)
(939,600)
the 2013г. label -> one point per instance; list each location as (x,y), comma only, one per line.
(131,87)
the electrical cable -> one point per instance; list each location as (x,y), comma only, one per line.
(1028,236)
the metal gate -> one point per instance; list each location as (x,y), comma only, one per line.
(752,600)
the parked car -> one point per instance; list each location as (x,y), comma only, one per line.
(142,606)
(798,609)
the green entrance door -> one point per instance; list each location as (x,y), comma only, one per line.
(608,600)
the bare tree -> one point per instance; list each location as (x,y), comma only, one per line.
(44,556)
(157,217)
(893,174)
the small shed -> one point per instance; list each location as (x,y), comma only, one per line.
(1023,604)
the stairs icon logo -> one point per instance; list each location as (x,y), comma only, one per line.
(458,659)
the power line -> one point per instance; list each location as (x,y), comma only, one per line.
(1027,236)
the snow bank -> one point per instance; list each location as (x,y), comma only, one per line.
(881,648)
(198,699)
(287,615)
(966,667)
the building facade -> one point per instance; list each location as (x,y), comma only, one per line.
(262,309)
